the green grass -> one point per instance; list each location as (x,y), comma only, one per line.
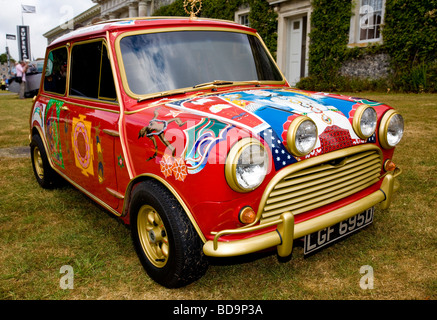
(40,231)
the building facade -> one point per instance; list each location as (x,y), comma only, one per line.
(293,29)
(107,10)
(119,9)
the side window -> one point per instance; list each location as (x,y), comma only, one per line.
(56,71)
(91,74)
(107,88)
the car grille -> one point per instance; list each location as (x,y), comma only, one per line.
(322,183)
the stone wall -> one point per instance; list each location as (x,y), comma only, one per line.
(371,67)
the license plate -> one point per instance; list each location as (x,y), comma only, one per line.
(318,240)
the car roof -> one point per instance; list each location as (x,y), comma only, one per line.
(130,24)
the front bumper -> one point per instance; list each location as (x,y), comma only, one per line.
(287,230)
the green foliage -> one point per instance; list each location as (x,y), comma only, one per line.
(262,16)
(410,39)
(4,58)
(329,36)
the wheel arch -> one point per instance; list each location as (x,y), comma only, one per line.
(149,176)
(36,130)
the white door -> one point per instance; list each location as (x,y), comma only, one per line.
(294,50)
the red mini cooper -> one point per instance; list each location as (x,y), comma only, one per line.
(188,132)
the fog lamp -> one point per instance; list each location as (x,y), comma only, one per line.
(247,215)
(389,165)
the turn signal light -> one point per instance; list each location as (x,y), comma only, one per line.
(247,215)
(389,165)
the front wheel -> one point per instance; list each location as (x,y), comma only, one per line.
(166,242)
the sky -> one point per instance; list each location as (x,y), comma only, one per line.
(49,14)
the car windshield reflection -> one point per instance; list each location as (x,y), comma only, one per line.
(166,61)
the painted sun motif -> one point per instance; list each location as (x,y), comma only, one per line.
(82,145)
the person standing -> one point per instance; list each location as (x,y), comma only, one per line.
(21,69)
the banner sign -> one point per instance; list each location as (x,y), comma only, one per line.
(23,42)
(11,37)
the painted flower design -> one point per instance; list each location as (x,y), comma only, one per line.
(120,161)
(179,169)
(166,165)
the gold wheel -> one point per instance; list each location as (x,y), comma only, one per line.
(38,163)
(153,236)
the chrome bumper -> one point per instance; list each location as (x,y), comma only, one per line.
(287,230)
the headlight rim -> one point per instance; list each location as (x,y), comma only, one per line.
(232,161)
(291,135)
(356,123)
(383,128)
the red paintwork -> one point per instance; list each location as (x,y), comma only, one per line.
(213,204)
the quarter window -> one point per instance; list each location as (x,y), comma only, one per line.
(91,74)
(56,71)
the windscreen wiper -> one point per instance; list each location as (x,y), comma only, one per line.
(213,83)
(163,94)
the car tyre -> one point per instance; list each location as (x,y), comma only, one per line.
(44,173)
(165,240)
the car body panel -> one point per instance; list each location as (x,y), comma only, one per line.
(182,139)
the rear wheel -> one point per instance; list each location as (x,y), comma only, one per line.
(44,173)
(166,242)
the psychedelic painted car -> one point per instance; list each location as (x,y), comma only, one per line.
(188,132)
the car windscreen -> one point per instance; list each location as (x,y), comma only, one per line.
(156,62)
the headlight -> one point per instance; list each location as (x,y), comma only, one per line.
(391,129)
(246,165)
(302,136)
(364,122)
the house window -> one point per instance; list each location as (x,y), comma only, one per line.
(242,17)
(244,20)
(370,19)
(366,21)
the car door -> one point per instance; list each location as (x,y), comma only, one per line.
(89,119)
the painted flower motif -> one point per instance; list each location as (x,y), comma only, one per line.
(120,161)
(179,169)
(166,165)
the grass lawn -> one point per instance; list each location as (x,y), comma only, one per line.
(41,231)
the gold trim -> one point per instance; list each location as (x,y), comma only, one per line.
(232,161)
(38,164)
(291,135)
(177,29)
(121,107)
(153,236)
(161,18)
(64,99)
(383,128)
(196,6)
(67,78)
(304,164)
(356,122)
(114,193)
(99,98)
(279,236)
(112,133)
(137,179)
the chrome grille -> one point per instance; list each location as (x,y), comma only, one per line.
(322,183)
